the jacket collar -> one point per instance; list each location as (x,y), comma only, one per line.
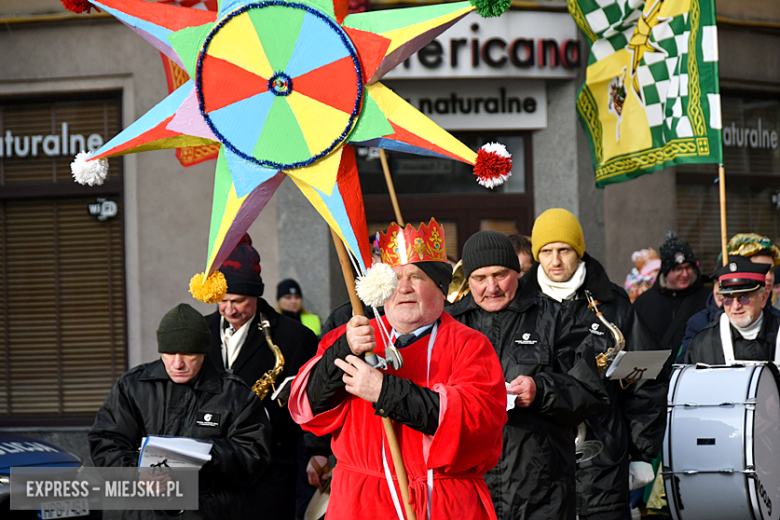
(596,280)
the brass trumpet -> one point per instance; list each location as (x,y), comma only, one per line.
(267,383)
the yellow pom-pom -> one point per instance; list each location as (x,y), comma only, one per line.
(208,290)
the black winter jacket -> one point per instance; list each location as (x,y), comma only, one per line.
(146,402)
(275,492)
(633,425)
(535,477)
(707,348)
(666,311)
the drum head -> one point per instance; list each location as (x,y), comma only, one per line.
(766,446)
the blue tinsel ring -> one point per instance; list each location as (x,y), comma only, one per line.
(280,84)
(352,53)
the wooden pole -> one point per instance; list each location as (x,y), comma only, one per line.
(723,233)
(392,440)
(391,188)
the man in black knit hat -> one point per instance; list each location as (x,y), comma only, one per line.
(239,346)
(551,377)
(678,294)
(182,394)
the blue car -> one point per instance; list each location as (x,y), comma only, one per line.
(22,451)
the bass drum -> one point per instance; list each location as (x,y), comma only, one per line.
(721,451)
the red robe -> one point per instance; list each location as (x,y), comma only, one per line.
(467,375)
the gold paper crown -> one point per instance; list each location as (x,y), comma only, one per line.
(405,246)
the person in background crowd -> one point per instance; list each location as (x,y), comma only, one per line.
(239,346)
(747,329)
(776,290)
(631,429)
(647,264)
(522,246)
(171,396)
(289,302)
(702,318)
(447,400)
(552,382)
(676,295)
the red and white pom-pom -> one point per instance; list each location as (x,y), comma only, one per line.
(377,286)
(493,166)
(89,172)
(77,6)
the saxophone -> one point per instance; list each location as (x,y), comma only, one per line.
(605,359)
(267,383)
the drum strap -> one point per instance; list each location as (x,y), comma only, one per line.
(728,345)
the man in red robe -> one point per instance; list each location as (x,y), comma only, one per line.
(448,400)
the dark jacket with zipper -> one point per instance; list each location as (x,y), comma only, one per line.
(706,347)
(632,428)
(145,401)
(275,492)
(535,477)
(667,311)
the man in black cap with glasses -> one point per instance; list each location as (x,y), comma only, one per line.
(746,331)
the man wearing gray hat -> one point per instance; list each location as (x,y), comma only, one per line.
(551,378)
(173,396)
(747,329)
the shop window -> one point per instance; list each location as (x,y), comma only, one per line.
(748,210)
(62,301)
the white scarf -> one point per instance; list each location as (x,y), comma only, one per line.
(751,331)
(560,291)
(232,341)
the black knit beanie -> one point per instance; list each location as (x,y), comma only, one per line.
(675,251)
(183,330)
(242,269)
(288,286)
(439,272)
(487,248)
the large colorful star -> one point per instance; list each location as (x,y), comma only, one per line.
(287,88)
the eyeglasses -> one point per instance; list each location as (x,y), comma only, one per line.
(743,299)
(682,267)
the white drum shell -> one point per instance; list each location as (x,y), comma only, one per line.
(722,454)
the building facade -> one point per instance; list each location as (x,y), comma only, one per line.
(87,272)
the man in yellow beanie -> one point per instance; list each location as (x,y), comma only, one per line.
(631,429)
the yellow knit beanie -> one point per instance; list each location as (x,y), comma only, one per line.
(557,225)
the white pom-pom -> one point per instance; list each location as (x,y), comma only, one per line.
(89,172)
(377,286)
(496,148)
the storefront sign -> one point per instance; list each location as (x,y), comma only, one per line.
(52,145)
(518,44)
(509,104)
(755,136)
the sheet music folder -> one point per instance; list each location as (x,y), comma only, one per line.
(644,363)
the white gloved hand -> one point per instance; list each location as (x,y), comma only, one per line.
(640,474)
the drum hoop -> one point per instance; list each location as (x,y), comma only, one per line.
(749,454)
(671,481)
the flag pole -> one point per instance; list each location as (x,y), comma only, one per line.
(722,191)
(392,439)
(391,188)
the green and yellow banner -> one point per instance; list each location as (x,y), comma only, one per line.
(651,97)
